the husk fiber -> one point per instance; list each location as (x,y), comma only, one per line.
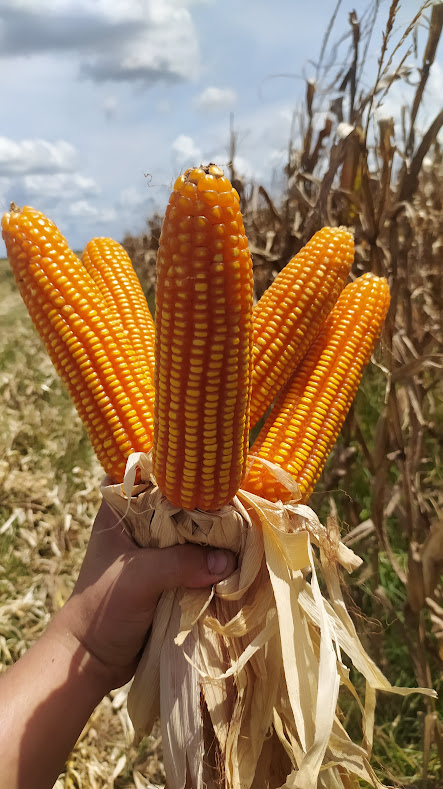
(245,677)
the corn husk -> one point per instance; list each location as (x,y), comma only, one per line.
(245,677)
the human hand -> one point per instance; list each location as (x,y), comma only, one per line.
(114,599)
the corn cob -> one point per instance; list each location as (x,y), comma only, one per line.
(110,267)
(85,341)
(203,343)
(309,413)
(291,311)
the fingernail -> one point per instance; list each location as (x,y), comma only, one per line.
(217,562)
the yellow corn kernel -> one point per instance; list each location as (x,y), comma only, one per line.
(109,265)
(84,339)
(309,413)
(204,288)
(291,311)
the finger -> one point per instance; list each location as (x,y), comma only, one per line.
(186,565)
(106,518)
(112,525)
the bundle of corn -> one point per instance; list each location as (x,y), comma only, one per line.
(245,677)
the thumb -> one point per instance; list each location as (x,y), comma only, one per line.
(192,566)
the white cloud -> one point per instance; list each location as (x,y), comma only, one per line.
(243,166)
(66,186)
(186,150)
(278,157)
(164,106)
(189,3)
(145,40)
(35,156)
(132,197)
(109,106)
(81,209)
(5,184)
(213,99)
(287,114)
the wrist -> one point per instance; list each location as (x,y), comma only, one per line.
(99,676)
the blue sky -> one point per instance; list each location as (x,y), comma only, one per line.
(96,94)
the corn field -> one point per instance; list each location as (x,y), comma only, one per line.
(347,164)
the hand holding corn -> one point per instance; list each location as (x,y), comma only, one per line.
(93,644)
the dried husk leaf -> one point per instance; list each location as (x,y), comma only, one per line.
(246,676)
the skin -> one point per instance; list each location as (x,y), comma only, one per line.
(92,645)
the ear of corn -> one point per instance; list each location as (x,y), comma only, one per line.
(85,341)
(308,415)
(111,268)
(291,311)
(203,343)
